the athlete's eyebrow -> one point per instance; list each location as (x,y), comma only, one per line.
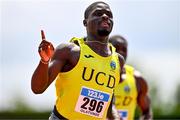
(100,11)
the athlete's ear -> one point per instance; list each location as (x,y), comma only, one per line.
(85,22)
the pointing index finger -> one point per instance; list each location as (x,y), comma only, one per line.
(43,35)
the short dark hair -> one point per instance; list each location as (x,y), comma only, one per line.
(90,7)
(115,37)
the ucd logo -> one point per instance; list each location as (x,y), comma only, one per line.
(113,65)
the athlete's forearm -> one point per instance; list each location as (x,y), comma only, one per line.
(39,79)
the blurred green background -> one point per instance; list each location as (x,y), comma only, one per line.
(160,111)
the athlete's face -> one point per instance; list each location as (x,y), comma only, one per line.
(121,47)
(99,21)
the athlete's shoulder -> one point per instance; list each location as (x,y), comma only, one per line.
(67,46)
(129,67)
(66,50)
(70,44)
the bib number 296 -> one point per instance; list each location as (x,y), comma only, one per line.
(92,105)
(92,102)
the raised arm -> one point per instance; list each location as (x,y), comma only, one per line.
(143,99)
(49,66)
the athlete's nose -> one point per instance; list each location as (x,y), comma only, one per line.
(105,17)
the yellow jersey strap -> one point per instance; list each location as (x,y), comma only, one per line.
(81,40)
(75,39)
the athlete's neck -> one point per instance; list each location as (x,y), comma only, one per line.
(99,42)
(102,41)
(101,48)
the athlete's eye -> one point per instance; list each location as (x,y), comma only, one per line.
(98,13)
(108,13)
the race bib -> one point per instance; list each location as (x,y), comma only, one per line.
(123,114)
(92,102)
